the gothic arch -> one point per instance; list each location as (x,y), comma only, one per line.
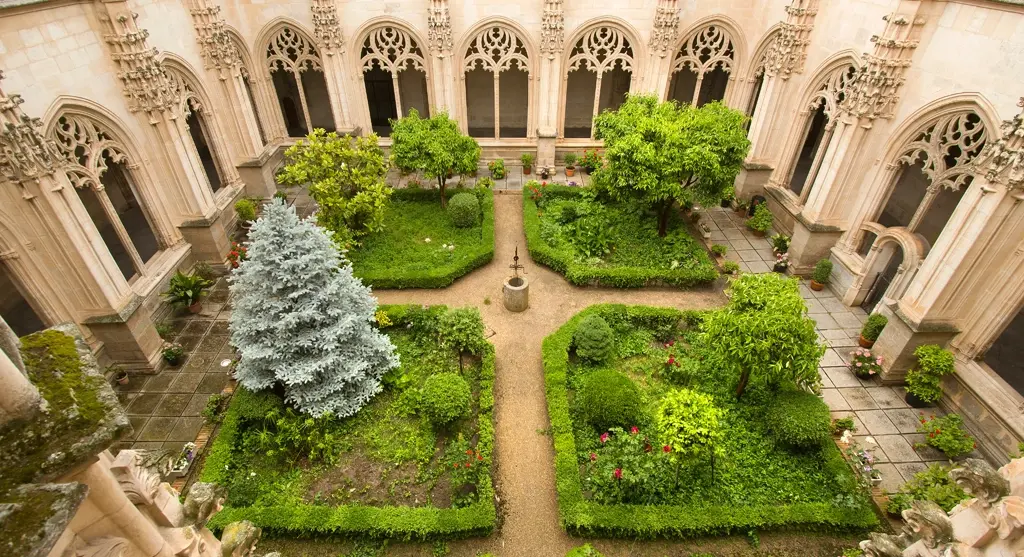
(606,45)
(256,86)
(713,49)
(509,44)
(755,72)
(16,255)
(881,255)
(290,61)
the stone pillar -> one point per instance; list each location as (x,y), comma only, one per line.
(551,49)
(439,38)
(331,44)
(19,399)
(663,40)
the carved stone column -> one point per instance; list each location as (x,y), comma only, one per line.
(552,37)
(439,39)
(663,40)
(331,44)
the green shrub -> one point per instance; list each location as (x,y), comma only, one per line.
(947,434)
(485,182)
(464,209)
(822,271)
(933,484)
(924,381)
(444,398)
(462,329)
(526,159)
(730,267)
(761,221)
(719,249)
(682,370)
(608,399)
(873,326)
(593,339)
(690,423)
(584,550)
(245,208)
(497,168)
(799,419)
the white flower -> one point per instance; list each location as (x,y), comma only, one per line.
(675,265)
(427,240)
(451,247)
(251,474)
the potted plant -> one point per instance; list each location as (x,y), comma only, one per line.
(871,329)
(924,381)
(781,262)
(182,463)
(761,221)
(544,173)
(245,208)
(497,168)
(120,376)
(237,255)
(570,164)
(741,207)
(591,161)
(864,364)
(780,243)
(727,196)
(173,353)
(527,160)
(820,275)
(187,291)
(719,250)
(705,231)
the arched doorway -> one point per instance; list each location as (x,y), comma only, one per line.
(496,70)
(394,76)
(599,75)
(701,68)
(887,266)
(298,78)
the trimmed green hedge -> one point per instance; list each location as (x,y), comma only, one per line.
(438,276)
(562,261)
(585,518)
(357,520)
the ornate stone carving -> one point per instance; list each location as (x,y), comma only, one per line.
(707,48)
(552,28)
(600,50)
(25,154)
(203,501)
(1002,161)
(874,91)
(146,84)
(219,50)
(99,547)
(946,146)
(239,539)
(788,51)
(88,147)
(139,473)
(884,545)
(666,26)
(830,91)
(392,50)
(291,52)
(495,49)
(439,27)
(980,480)
(326,26)
(188,99)
(929,523)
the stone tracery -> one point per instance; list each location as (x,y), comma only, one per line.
(700,70)
(601,50)
(291,52)
(387,53)
(291,57)
(946,145)
(392,50)
(831,90)
(497,49)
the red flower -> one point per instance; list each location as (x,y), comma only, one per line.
(667,448)
(618,473)
(593,457)
(604,437)
(479,457)
(467,465)
(469,451)
(456,464)
(634,430)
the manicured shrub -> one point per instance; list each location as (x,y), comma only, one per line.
(762,219)
(689,423)
(583,550)
(719,249)
(462,329)
(464,209)
(822,271)
(799,419)
(593,339)
(245,208)
(608,399)
(873,326)
(444,398)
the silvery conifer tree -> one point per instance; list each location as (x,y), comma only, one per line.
(302,320)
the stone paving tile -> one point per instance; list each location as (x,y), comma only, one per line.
(834,400)
(766,255)
(144,404)
(189,342)
(814,306)
(186,383)
(734,234)
(195,405)
(212,383)
(897,448)
(157,429)
(857,424)
(200,363)
(748,255)
(147,445)
(826,383)
(172,404)
(759,267)
(905,419)
(908,469)
(892,480)
(138,422)
(197,327)
(136,384)
(876,422)
(832,359)
(212,344)
(868,442)
(160,382)
(717,236)
(841,377)
(740,244)
(887,398)
(185,429)
(858,398)
(846,320)
(824,321)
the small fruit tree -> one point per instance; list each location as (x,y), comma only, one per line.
(434,145)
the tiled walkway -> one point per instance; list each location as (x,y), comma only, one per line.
(513,180)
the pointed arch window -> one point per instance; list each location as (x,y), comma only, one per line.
(394,76)
(598,77)
(821,111)
(198,123)
(701,68)
(497,105)
(297,73)
(247,81)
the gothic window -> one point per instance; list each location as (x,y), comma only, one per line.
(250,90)
(394,75)
(298,78)
(497,105)
(198,124)
(700,71)
(821,110)
(14,307)
(101,173)
(598,77)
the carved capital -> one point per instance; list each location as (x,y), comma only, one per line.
(788,50)
(25,153)
(874,90)
(1002,161)
(666,26)
(326,26)
(552,28)
(146,84)
(219,51)
(439,27)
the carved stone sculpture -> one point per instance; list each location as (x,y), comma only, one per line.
(202,502)
(980,480)
(239,539)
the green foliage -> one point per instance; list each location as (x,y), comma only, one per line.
(608,399)
(462,329)
(400,257)
(873,326)
(289,434)
(434,145)
(591,160)
(570,160)
(719,249)
(730,267)
(663,153)
(840,425)
(214,409)
(584,551)
(822,271)
(593,339)
(497,168)
(184,290)
(444,398)
(761,221)
(526,159)
(464,210)
(689,423)
(764,333)
(245,208)
(933,484)
(628,468)
(799,419)
(164,330)
(924,381)
(485,182)
(947,434)
(173,353)
(346,178)
(780,243)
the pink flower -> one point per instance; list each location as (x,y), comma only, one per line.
(618,473)
(593,457)
(604,437)
(634,430)
(879,360)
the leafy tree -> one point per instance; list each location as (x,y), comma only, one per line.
(434,145)
(764,330)
(346,178)
(303,322)
(664,153)
(690,425)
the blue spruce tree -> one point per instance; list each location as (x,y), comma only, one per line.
(300,319)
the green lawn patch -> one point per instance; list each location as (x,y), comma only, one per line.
(756,485)
(611,244)
(386,472)
(400,256)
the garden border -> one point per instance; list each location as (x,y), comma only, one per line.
(585,275)
(581,517)
(363,520)
(439,277)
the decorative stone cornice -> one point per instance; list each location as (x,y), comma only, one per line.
(439,27)
(219,51)
(25,153)
(666,27)
(326,26)
(1002,161)
(788,51)
(552,28)
(146,84)
(874,90)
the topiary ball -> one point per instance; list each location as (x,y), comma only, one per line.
(608,399)
(799,419)
(444,398)
(593,339)
(464,209)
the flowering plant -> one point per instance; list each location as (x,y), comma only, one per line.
(466,464)
(629,467)
(591,160)
(947,434)
(237,254)
(173,353)
(780,243)
(185,457)
(782,259)
(536,190)
(865,364)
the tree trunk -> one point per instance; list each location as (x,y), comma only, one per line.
(440,184)
(663,214)
(742,386)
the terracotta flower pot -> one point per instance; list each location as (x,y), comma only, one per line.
(196,307)
(122,378)
(570,171)
(865,343)
(815,285)
(526,170)
(759,234)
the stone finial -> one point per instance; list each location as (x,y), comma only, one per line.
(929,523)
(25,153)
(874,90)
(552,28)
(147,86)
(326,26)
(1002,161)
(219,51)
(239,539)
(439,27)
(788,50)
(666,27)
(884,545)
(979,479)
(203,501)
